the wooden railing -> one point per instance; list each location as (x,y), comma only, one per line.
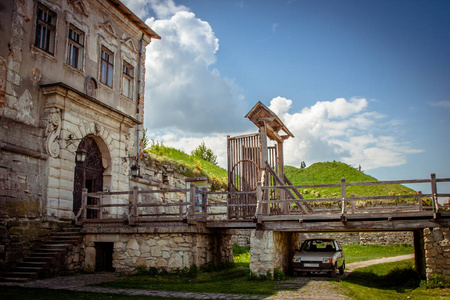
(179,205)
(347,205)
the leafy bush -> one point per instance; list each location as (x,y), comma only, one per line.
(435,281)
(204,153)
(238,250)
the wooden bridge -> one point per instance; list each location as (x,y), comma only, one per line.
(260,197)
(193,206)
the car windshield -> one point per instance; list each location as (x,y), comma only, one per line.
(318,246)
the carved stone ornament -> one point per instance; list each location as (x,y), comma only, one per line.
(53,129)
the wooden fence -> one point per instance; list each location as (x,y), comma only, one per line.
(182,205)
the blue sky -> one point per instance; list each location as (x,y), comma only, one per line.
(363,82)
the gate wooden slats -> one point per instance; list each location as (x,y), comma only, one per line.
(244,165)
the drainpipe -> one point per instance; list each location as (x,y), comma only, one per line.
(141,46)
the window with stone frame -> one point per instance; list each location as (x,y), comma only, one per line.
(75,48)
(45,29)
(107,67)
(127,80)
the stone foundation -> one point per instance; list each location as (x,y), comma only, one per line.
(437,251)
(171,248)
(271,250)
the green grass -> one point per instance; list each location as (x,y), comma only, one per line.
(357,253)
(353,252)
(188,165)
(332,172)
(230,281)
(389,281)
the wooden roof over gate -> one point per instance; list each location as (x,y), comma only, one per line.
(261,114)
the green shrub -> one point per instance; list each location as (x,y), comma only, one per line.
(435,281)
(238,250)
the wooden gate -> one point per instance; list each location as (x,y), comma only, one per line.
(88,174)
(244,171)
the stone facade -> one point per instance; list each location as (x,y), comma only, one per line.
(437,251)
(55,91)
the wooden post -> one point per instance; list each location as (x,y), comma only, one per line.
(434,194)
(84,203)
(343,196)
(204,203)
(259,208)
(420,200)
(180,208)
(419,252)
(264,162)
(285,207)
(192,200)
(353,204)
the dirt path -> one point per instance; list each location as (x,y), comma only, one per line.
(318,287)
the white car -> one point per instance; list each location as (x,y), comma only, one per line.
(319,255)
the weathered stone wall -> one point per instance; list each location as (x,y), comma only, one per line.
(366,238)
(271,250)
(437,251)
(242,238)
(164,247)
(153,175)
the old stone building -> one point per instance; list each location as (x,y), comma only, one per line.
(71,81)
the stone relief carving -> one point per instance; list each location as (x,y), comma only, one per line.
(24,107)
(53,129)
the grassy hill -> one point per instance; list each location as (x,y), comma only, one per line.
(332,172)
(188,165)
(318,173)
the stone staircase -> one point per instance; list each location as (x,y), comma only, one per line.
(47,260)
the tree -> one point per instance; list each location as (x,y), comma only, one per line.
(204,153)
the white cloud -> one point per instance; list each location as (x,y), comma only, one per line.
(339,130)
(444,104)
(187,101)
(274,27)
(183,89)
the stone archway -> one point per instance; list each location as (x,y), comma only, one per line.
(89,175)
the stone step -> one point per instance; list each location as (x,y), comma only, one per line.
(17,279)
(46,254)
(62,241)
(48,259)
(29,269)
(32,264)
(29,275)
(42,262)
(63,246)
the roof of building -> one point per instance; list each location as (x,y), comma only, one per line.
(261,114)
(135,19)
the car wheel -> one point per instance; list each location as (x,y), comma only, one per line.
(341,269)
(333,273)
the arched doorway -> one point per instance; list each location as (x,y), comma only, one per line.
(89,175)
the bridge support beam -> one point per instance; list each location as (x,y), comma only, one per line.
(271,250)
(419,252)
